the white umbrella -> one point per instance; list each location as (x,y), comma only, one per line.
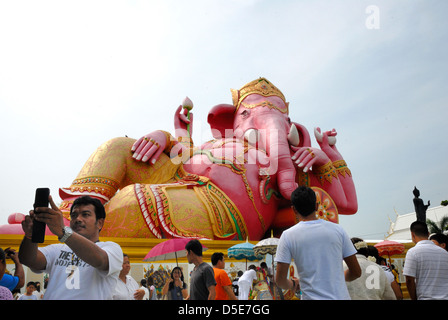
(267,246)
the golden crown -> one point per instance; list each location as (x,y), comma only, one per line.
(259,86)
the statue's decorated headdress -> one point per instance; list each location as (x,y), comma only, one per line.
(262,87)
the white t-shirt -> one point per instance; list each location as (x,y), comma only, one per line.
(125,291)
(70,278)
(146,296)
(249,276)
(389,274)
(428,264)
(318,248)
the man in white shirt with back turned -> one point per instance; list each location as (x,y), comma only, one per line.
(426,266)
(318,248)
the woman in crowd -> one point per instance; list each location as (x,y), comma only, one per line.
(175,288)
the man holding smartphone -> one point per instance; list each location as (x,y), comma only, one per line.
(80,267)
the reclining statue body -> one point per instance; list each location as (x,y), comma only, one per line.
(236,186)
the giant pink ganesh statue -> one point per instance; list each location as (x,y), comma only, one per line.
(236,186)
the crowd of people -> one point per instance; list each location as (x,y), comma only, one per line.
(218,285)
(330,265)
(317,246)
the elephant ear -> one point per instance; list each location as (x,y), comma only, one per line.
(304,136)
(220,119)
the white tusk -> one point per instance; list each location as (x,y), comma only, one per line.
(318,135)
(252,136)
(293,136)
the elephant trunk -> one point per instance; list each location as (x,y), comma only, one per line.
(281,163)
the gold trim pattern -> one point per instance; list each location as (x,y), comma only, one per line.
(100,185)
(341,168)
(268,104)
(326,172)
(259,86)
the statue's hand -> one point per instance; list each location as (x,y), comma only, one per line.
(306,157)
(149,147)
(327,142)
(328,137)
(183,122)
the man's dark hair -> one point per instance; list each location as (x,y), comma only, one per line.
(440,238)
(86,200)
(304,200)
(420,229)
(195,246)
(216,257)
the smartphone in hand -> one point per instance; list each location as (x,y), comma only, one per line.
(41,200)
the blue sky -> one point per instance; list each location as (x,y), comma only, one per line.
(74,74)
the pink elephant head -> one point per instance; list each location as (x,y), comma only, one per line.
(259,115)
